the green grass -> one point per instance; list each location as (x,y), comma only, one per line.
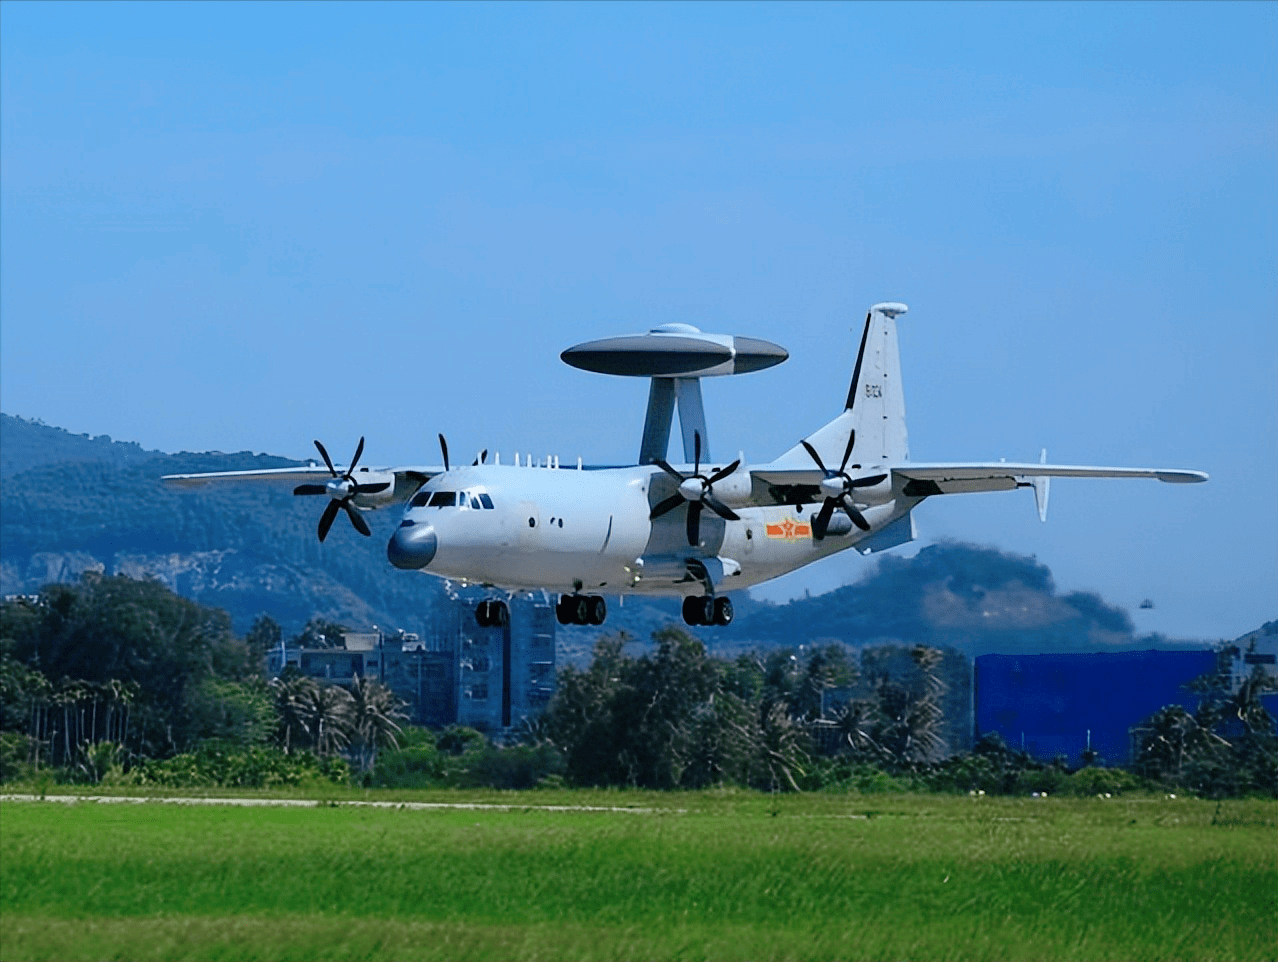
(733,875)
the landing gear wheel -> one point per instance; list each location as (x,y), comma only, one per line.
(564,608)
(723,612)
(492,614)
(598,612)
(699,610)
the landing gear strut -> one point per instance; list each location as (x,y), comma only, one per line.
(492,614)
(581,610)
(707,610)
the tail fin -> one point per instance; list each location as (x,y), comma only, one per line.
(875,407)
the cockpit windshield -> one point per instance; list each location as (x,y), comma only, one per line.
(475,500)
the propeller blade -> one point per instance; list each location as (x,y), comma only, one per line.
(867,482)
(326,519)
(666,506)
(480,458)
(669,470)
(369,488)
(815,457)
(327,460)
(310,489)
(719,508)
(443,446)
(694,523)
(822,521)
(357,519)
(854,513)
(359,449)
(724,472)
(696,452)
(847,452)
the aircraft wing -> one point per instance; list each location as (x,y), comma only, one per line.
(960,477)
(923,479)
(407,478)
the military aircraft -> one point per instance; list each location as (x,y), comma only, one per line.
(696,529)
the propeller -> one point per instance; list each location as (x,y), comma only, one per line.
(697,490)
(837,488)
(341,488)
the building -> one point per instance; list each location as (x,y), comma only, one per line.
(1062,705)
(490,679)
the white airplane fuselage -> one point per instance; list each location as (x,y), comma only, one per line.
(563,529)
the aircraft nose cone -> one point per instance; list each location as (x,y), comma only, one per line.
(412,546)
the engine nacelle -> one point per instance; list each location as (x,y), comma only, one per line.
(880,493)
(736,489)
(374,499)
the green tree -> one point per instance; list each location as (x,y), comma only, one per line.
(374,713)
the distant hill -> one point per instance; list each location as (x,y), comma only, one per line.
(70,504)
(31,444)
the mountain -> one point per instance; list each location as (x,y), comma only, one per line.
(70,504)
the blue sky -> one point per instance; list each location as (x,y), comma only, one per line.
(241,226)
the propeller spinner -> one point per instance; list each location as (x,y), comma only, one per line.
(837,486)
(697,490)
(341,489)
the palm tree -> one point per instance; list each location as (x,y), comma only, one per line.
(292,697)
(327,710)
(780,748)
(373,712)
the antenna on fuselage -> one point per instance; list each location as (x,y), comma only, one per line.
(676,357)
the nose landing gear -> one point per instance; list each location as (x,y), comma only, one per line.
(492,614)
(705,610)
(581,610)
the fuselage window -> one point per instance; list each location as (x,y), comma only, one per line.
(486,501)
(443,499)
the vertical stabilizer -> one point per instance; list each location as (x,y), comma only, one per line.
(875,407)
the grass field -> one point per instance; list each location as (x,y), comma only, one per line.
(732,875)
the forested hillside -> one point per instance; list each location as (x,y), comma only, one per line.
(72,504)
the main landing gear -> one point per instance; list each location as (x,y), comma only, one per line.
(492,614)
(706,610)
(581,609)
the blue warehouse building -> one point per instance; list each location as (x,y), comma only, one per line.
(1048,704)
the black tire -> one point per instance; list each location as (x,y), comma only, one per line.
(723,611)
(693,610)
(500,614)
(482,614)
(563,614)
(598,610)
(581,610)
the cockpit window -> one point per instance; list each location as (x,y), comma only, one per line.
(419,499)
(486,501)
(474,503)
(443,499)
